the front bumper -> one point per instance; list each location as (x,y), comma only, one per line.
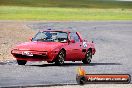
(30,55)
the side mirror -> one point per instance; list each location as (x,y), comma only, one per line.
(30,38)
(72,41)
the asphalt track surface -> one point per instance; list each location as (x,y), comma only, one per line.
(113,41)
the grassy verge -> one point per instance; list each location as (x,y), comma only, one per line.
(57,13)
(68,3)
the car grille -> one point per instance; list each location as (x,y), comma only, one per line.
(34,56)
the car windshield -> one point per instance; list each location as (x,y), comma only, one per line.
(48,36)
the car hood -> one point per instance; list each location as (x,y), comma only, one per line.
(39,46)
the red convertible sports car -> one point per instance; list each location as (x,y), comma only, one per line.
(54,47)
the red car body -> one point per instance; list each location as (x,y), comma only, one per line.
(48,51)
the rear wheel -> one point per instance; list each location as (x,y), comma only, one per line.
(88,57)
(60,58)
(21,62)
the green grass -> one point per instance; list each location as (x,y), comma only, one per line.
(73,14)
(68,3)
(65,10)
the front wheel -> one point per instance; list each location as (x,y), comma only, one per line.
(60,58)
(88,57)
(21,62)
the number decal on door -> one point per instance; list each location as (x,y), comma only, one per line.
(84,44)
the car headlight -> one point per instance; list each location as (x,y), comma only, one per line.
(14,50)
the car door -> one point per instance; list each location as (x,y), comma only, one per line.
(74,49)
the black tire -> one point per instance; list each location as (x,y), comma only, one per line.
(21,62)
(60,58)
(88,57)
